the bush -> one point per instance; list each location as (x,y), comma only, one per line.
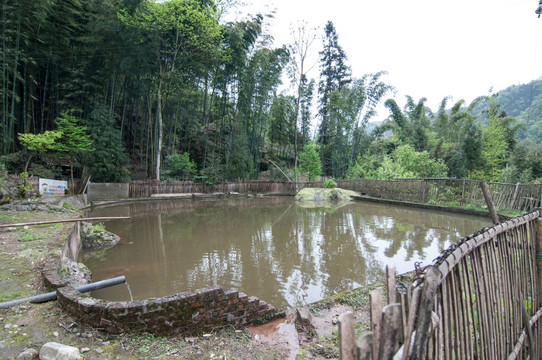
(330,184)
(179,167)
(25,185)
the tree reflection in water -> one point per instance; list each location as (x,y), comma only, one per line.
(285,254)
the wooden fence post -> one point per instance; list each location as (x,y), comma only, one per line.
(364,349)
(538,247)
(425,321)
(377,303)
(514,197)
(391,284)
(391,327)
(347,336)
(462,203)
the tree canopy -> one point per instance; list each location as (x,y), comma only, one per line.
(167,89)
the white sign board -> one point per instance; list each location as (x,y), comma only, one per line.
(50,187)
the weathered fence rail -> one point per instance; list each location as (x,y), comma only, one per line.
(481,299)
(446,192)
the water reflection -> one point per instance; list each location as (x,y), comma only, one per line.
(286,254)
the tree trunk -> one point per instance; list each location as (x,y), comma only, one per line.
(489,202)
(159,119)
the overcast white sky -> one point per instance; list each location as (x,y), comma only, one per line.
(430,48)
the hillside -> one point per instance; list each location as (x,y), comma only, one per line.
(524,102)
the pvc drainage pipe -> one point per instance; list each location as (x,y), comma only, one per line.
(52,295)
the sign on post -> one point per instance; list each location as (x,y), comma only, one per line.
(50,187)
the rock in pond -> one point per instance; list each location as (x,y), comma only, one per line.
(321,194)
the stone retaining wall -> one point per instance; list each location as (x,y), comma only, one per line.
(187,312)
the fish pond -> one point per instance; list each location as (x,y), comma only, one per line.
(286,253)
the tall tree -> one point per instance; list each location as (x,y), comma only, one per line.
(334,74)
(74,141)
(300,49)
(109,161)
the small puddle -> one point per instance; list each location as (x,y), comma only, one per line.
(279,332)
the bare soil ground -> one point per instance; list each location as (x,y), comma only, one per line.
(22,252)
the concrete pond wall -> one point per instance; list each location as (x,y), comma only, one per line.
(108,191)
(186,312)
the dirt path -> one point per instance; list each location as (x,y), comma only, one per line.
(22,252)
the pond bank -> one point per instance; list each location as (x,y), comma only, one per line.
(34,324)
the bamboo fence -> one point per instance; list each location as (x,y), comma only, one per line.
(444,192)
(481,299)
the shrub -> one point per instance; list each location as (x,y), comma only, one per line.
(179,167)
(330,184)
(25,185)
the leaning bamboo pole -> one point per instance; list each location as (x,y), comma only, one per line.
(65,221)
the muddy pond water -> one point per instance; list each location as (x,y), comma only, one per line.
(285,253)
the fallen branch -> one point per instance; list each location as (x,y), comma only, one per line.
(283,173)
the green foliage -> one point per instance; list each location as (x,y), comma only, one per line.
(179,167)
(108,162)
(26,187)
(330,184)
(404,162)
(309,162)
(74,140)
(67,205)
(10,295)
(213,172)
(419,163)
(494,145)
(175,79)
(38,143)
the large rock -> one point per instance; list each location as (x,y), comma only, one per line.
(320,194)
(56,351)
(92,237)
(28,354)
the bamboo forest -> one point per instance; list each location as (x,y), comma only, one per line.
(135,89)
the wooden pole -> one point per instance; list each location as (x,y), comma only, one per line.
(391,284)
(65,221)
(364,347)
(377,303)
(347,337)
(462,203)
(513,203)
(390,330)
(489,202)
(427,302)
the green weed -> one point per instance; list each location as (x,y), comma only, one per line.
(30,236)
(67,205)
(9,295)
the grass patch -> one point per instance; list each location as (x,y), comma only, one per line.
(9,295)
(7,217)
(38,233)
(68,205)
(327,350)
(150,344)
(29,235)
